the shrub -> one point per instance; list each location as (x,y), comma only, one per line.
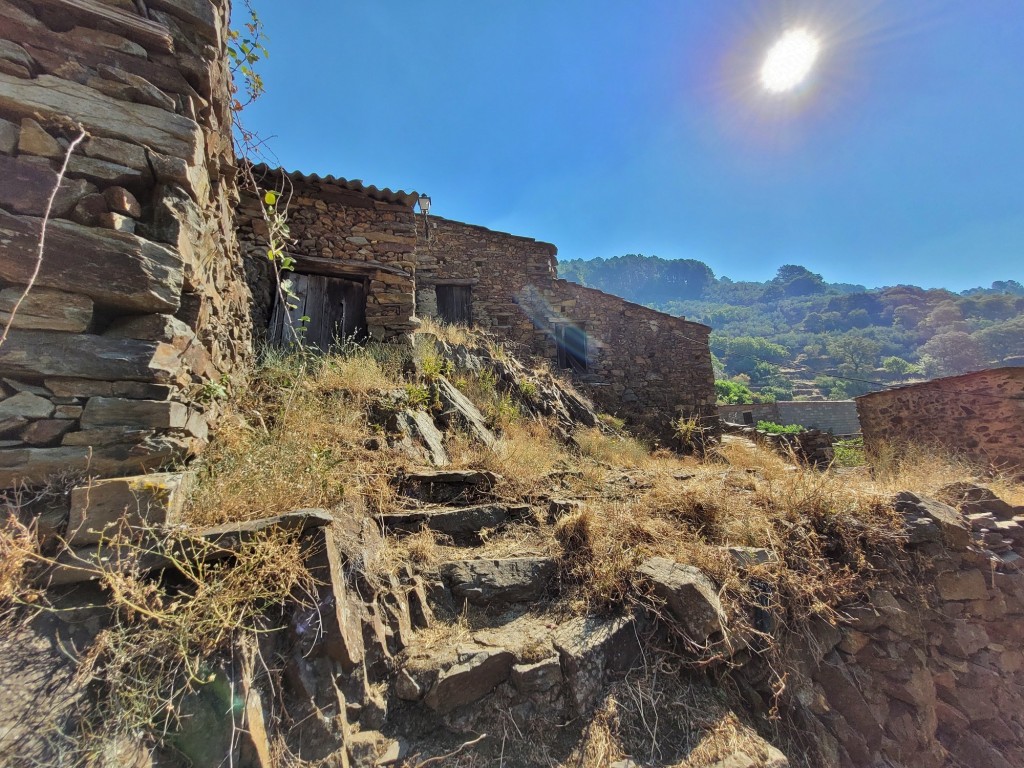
(780,429)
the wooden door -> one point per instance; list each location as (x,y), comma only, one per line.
(455,303)
(334,308)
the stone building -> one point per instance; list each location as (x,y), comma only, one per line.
(145,303)
(979,415)
(836,416)
(395,266)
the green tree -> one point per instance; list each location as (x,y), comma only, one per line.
(854,354)
(952,353)
(898,367)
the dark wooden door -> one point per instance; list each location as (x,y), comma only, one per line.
(334,310)
(455,304)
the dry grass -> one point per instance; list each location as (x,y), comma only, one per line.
(619,450)
(659,715)
(19,548)
(453,333)
(171,637)
(299,437)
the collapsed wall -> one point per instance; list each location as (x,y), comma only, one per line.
(140,307)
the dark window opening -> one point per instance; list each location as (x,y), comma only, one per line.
(455,304)
(748,417)
(571,341)
(335,308)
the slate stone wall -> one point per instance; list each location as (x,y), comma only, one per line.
(501,270)
(337,231)
(140,301)
(643,365)
(836,416)
(978,415)
(925,671)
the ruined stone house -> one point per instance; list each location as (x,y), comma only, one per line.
(388,265)
(151,287)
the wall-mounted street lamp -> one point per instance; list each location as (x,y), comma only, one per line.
(424,201)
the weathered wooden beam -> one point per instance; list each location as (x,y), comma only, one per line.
(144,31)
(316,265)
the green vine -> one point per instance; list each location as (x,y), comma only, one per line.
(246,50)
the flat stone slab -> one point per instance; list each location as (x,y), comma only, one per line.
(469,681)
(917,511)
(90,562)
(445,486)
(100,508)
(474,477)
(690,597)
(457,521)
(492,582)
(588,648)
(457,408)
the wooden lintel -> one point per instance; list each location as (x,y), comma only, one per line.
(140,30)
(454,281)
(317,265)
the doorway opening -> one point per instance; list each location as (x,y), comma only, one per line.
(455,303)
(571,344)
(324,311)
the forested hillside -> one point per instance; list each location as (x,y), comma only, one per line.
(799,328)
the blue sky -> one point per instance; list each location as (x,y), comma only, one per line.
(611,127)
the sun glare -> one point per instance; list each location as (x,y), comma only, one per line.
(789,61)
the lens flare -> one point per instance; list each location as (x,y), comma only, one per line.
(789,61)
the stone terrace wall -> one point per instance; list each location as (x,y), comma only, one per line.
(836,416)
(140,299)
(929,671)
(644,365)
(338,231)
(979,415)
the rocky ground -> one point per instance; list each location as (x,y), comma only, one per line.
(475,568)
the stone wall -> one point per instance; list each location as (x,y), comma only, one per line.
(338,228)
(641,364)
(502,270)
(929,671)
(140,301)
(836,416)
(978,415)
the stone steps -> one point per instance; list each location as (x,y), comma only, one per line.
(461,523)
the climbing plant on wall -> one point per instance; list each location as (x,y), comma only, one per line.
(247,49)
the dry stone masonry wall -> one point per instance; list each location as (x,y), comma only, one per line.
(836,416)
(339,229)
(641,364)
(929,670)
(140,307)
(979,415)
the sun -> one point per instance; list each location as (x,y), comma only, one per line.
(789,61)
